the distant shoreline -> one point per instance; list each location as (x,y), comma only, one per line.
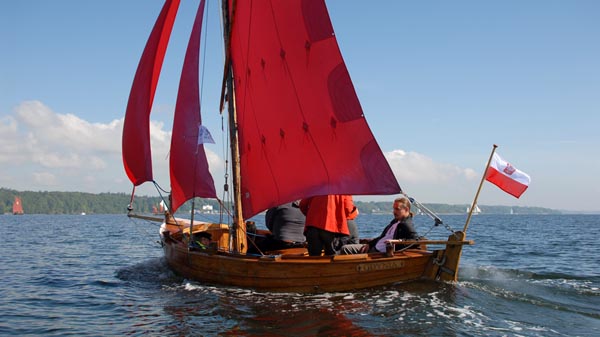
(45,202)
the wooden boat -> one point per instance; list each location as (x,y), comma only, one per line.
(296,130)
(17,208)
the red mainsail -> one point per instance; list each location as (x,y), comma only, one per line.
(189,172)
(137,158)
(302,131)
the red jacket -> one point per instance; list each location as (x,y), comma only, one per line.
(328,212)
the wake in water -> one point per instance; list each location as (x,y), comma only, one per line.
(150,272)
(428,308)
(416,308)
(556,283)
(553,297)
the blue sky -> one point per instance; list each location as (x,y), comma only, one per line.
(440,82)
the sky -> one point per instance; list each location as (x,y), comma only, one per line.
(440,82)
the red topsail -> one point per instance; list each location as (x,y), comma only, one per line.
(190,176)
(136,128)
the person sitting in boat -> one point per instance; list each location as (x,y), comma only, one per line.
(201,240)
(401,228)
(326,219)
(286,223)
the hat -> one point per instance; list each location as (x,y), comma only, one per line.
(203,235)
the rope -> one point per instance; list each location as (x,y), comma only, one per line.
(144,232)
(437,220)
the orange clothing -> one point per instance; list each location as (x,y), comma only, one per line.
(328,212)
(354,212)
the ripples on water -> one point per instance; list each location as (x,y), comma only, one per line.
(105,275)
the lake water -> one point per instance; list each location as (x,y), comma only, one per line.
(103,275)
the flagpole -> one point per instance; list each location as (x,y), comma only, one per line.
(479,189)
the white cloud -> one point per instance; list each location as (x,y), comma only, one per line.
(414,167)
(66,131)
(45,179)
(429,181)
(44,150)
(11,147)
(41,149)
(57,160)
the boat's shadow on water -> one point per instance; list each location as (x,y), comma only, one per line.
(215,309)
(239,312)
(195,307)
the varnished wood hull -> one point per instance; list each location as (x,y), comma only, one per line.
(301,273)
(295,274)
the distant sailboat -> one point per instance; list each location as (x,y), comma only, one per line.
(511,211)
(476,211)
(162,207)
(17,207)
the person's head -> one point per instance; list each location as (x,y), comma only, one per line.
(203,237)
(401,208)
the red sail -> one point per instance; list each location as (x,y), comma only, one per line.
(17,206)
(137,157)
(190,176)
(302,131)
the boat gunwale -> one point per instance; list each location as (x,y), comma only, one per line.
(303,259)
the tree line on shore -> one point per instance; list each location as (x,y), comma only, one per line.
(44,202)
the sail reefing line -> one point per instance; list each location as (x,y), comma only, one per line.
(137,157)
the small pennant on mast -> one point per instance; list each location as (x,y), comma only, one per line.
(204,136)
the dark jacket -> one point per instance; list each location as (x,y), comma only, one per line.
(286,222)
(404,231)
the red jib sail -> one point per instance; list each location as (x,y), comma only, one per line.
(137,158)
(190,176)
(302,131)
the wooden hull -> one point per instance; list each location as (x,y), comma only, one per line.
(297,272)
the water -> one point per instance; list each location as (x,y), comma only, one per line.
(103,275)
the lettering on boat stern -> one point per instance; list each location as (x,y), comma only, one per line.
(380,266)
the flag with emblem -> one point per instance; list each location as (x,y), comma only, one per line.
(504,175)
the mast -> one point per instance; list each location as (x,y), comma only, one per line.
(239,234)
(474,204)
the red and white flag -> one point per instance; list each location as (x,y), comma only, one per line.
(507,177)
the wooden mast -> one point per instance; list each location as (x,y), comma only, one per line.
(239,234)
(448,266)
(479,189)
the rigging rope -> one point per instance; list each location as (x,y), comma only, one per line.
(437,220)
